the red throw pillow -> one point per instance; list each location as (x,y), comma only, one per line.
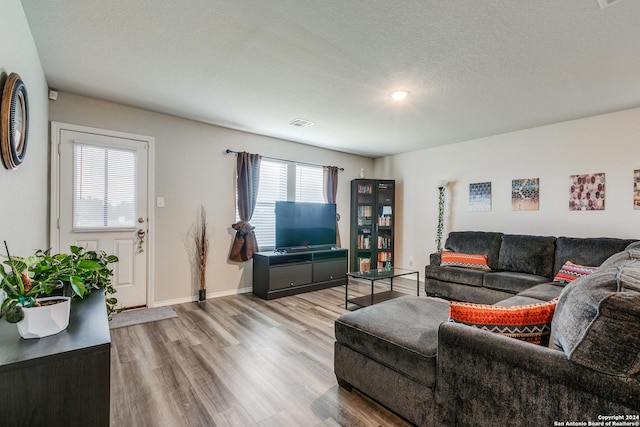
(570,272)
(530,323)
(459,259)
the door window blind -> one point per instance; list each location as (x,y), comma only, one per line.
(104,187)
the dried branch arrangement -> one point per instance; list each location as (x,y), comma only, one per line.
(201,241)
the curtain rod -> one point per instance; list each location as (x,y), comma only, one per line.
(284,160)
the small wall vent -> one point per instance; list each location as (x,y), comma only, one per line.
(301,123)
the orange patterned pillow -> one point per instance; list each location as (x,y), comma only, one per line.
(570,272)
(459,259)
(530,323)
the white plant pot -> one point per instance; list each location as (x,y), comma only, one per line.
(47,320)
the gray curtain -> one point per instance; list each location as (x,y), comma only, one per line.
(245,243)
(330,191)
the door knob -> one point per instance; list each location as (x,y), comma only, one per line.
(141,233)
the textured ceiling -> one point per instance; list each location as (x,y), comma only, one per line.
(474,68)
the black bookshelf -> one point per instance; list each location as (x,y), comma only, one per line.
(372,224)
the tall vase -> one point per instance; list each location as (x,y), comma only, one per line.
(202,295)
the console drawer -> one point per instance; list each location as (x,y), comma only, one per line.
(289,275)
(330,269)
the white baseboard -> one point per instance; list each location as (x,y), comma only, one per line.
(195,297)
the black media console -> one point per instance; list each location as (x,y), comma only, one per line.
(278,274)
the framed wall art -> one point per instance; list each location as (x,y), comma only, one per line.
(525,194)
(636,189)
(480,197)
(586,192)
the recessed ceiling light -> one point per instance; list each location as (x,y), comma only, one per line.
(399,95)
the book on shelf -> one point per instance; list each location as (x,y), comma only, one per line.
(365,188)
(384,221)
(364,241)
(384,242)
(384,256)
(384,265)
(365,264)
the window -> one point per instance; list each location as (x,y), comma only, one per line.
(104,187)
(273,186)
(309,184)
(282,181)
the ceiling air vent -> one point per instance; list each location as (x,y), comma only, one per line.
(606,3)
(301,123)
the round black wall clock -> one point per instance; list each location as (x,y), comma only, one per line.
(14,122)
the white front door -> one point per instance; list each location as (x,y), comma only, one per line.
(100,195)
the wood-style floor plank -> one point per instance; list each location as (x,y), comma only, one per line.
(241,361)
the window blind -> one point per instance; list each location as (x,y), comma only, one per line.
(104,194)
(309,184)
(273,186)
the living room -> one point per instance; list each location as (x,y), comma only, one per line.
(192,168)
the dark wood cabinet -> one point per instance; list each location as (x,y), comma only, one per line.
(280,274)
(372,223)
(60,380)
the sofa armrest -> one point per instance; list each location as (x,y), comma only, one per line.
(484,378)
(434,258)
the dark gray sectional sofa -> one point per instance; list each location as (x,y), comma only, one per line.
(518,262)
(404,354)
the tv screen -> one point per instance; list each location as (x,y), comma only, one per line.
(300,224)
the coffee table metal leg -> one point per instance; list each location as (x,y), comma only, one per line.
(417,283)
(372,292)
(346,293)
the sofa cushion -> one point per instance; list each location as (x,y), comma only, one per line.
(512,282)
(570,272)
(476,242)
(586,251)
(530,323)
(463,260)
(464,276)
(517,300)
(543,292)
(527,254)
(597,318)
(401,333)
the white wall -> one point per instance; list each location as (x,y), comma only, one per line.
(607,143)
(192,168)
(24,191)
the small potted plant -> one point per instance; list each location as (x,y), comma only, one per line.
(36,316)
(81,270)
(28,284)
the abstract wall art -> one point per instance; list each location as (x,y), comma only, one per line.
(586,192)
(480,197)
(525,194)
(636,189)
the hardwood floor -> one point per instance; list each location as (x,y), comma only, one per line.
(241,361)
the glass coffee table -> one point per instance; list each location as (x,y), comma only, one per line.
(373,276)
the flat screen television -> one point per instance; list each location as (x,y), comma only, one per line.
(305,225)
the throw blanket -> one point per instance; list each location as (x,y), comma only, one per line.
(245,243)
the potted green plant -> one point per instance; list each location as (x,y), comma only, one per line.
(28,283)
(81,270)
(35,316)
